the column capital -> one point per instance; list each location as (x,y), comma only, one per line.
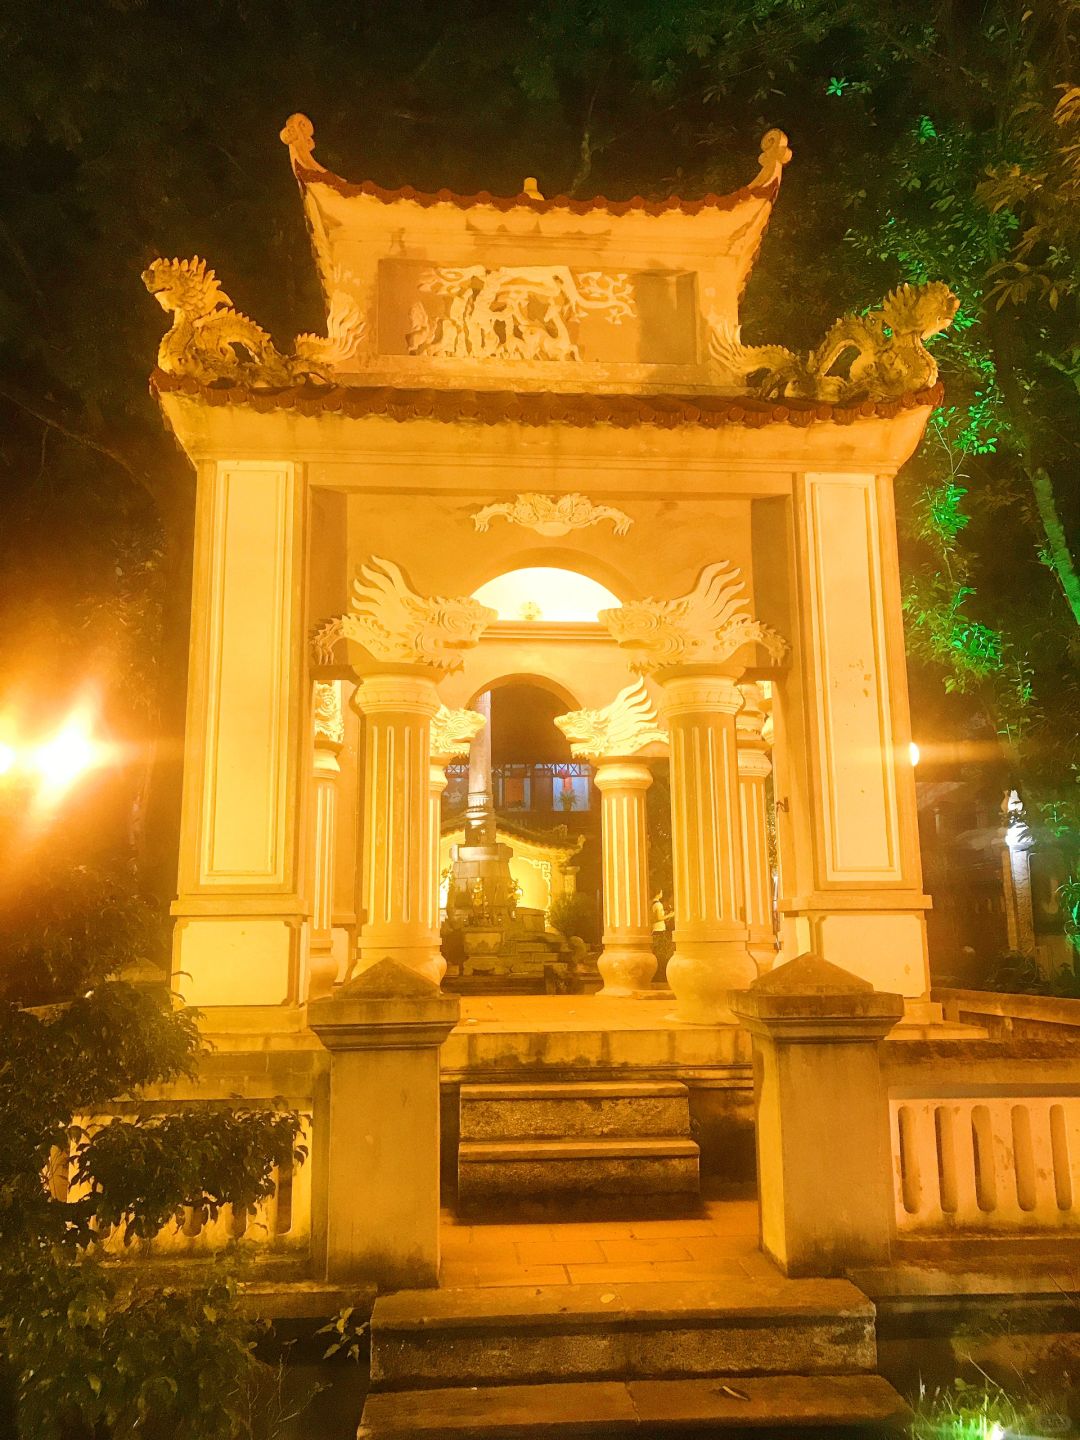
(405,692)
(616,773)
(452,733)
(691,692)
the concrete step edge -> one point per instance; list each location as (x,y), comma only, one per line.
(488,1152)
(614,1408)
(571,1090)
(636,1303)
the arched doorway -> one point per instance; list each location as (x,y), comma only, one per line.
(522,807)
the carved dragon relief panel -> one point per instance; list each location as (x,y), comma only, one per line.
(552,515)
(520,312)
(398,626)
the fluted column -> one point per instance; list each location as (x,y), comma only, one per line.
(754,770)
(452,734)
(329,733)
(398,711)
(711,956)
(627,963)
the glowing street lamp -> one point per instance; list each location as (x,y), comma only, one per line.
(53,766)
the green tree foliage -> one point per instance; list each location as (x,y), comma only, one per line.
(91,1347)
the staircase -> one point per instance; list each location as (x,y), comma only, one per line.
(609,1148)
(511,1363)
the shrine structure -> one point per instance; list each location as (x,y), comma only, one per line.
(520,399)
(532,449)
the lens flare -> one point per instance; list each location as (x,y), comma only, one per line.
(913,752)
(7,758)
(59,762)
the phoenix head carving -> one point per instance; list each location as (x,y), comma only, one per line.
(624,727)
(395,624)
(707,626)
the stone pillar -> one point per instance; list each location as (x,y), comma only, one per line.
(856,888)
(326,772)
(823,1144)
(398,709)
(711,956)
(383,1031)
(240,906)
(453,733)
(754,770)
(627,963)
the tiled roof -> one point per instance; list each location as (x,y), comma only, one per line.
(766,192)
(494,407)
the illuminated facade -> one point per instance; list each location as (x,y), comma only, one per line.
(532,445)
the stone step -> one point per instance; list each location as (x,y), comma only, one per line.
(768,1404)
(520,1171)
(554,1333)
(557,1111)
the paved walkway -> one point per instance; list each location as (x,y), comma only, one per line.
(721,1242)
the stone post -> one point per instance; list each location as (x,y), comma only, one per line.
(823,1147)
(711,956)
(383,1031)
(329,735)
(754,770)
(627,964)
(398,709)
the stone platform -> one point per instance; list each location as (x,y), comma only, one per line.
(582,1036)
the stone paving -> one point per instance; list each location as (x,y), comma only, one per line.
(722,1241)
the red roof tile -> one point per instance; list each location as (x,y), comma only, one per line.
(767,192)
(493,407)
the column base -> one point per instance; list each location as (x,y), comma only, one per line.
(627,968)
(420,955)
(703,973)
(882,943)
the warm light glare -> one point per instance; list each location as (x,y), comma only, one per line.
(7,758)
(913,751)
(542,593)
(69,754)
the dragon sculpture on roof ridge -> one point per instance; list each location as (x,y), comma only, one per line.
(213,342)
(884,351)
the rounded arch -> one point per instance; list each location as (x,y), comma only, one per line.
(522,677)
(563,557)
(546,593)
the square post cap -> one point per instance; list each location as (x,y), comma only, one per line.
(810,999)
(388,1006)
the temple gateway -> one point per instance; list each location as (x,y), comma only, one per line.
(532,445)
(531,453)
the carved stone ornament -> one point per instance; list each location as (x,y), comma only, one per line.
(323,640)
(329,720)
(624,727)
(212,341)
(453,731)
(518,312)
(705,627)
(553,515)
(396,625)
(877,356)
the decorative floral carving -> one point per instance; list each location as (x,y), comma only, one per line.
(624,727)
(329,720)
(453,731)
(211,340)
(883,352)
(396,625)
(553,514)
(705,627)
(521,312)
